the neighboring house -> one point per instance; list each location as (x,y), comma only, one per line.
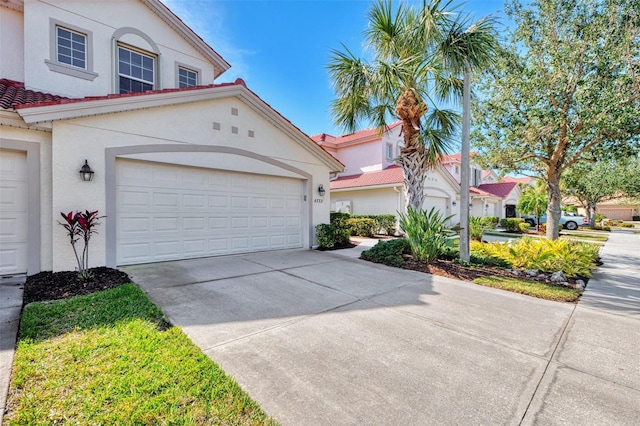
(524,180)
(183,167)
(618,209)
(373,184)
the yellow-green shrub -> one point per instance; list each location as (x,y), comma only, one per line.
(572,258)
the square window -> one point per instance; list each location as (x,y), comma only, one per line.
(187,77)
(71,47)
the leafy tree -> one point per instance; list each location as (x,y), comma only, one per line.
(566,90)
(417,57)
(593,183)
(534,201)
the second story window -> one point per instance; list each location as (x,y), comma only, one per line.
(71,47)
(389,151)
(187,77)
(136,71)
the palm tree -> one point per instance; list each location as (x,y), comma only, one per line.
(405,73)
(415,62)
(534,200)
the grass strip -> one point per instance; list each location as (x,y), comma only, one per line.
(531,288)
(110,358)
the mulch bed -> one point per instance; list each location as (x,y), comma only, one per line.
(60,285)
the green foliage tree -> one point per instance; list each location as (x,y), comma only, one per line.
(417,58)
(534,200)
(566,90)
(593,183)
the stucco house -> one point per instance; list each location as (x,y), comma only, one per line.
(183,166)
(372,184)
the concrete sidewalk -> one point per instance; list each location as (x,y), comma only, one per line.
(593,377)
(10,308)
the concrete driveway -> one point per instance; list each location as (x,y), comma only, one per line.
(320,338)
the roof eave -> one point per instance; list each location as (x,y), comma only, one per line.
(219,64)
(358,188)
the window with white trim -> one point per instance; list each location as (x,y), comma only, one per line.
(389,151)
(136,70)
(187,77)
(71,47)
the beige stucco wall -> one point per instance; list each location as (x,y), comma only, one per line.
(103,21)
(372,201)
(11,44)
(190,125)
(12,136)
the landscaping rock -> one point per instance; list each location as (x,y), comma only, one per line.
(580,284)
(558,277)
(516,272)
(531,272)
(543,276)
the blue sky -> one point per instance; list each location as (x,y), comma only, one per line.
(281,47)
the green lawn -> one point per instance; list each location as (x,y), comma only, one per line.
(531,288)
(110,358)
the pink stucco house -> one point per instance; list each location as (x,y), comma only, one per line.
(372,184)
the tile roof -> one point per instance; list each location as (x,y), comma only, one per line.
(58,100)
(388,176)
(497,189)
(524,179)
(13,94)
(456,158)
(361,134)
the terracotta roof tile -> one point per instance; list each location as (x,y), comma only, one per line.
(361,134)
(388,176)
(60,100)
(498,189)
(524,179)
(13,94)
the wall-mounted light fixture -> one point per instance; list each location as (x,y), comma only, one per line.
(86,174)
(321,190)
(453,203)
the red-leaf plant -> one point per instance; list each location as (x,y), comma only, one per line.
(81,226)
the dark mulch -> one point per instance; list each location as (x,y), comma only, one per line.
(450,269)
(60,285)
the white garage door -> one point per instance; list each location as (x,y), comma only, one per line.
(438,202)
(167,212)
(13,213)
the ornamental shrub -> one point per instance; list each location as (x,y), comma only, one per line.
(524,227)
(489,222)
(511,223)
(636,218)
(361,226)
(426,232)
(330,235)
(388,252)
(571,257)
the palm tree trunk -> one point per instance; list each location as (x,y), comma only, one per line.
(415,168)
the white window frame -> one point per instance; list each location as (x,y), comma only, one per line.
(143,54)
(196,71)
(388,151)
(54,65)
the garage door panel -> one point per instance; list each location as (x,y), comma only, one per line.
(240,213)
(13,212)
